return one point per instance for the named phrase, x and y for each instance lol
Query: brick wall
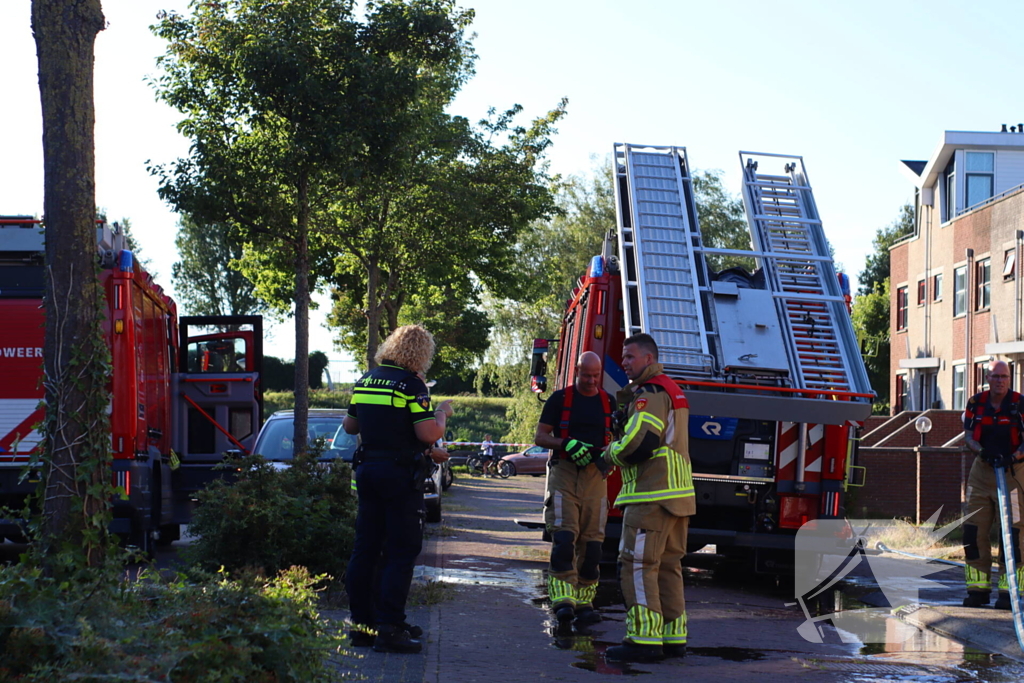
(897, 485)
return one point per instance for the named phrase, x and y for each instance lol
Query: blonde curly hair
(411, 346)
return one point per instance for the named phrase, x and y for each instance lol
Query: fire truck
(768, 359)
(183, 391)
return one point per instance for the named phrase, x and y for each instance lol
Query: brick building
(956, 283)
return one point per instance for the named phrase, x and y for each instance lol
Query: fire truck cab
(170, 423)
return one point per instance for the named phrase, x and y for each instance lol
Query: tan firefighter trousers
(575, 513)
(651, 553)
(983, 501)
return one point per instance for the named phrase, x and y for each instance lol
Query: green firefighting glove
(578, 452)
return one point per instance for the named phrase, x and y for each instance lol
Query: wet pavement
(497, 625)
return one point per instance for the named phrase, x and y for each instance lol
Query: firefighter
(576, 425)
(993, 429)
(390, 410)
(657, 500)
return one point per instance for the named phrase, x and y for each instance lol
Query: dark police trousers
(390, 518)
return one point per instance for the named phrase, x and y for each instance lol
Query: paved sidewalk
(497, 627)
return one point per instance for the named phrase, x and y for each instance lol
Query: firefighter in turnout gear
(390, 410)
(657, 499)
(994, 430)
(576, 425)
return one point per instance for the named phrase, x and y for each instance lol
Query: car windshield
(275, 442)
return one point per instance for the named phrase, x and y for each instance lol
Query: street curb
(986, 629)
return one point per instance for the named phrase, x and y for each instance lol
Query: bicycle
(475, 465)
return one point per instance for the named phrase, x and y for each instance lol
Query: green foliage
(104, 626)
(876, 267)
(321, 398)
(871, 321)
(204, 278)
(279, 375)
(272, 519)
(723, 221)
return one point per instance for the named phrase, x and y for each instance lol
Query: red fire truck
(183, 391)
(768, 359)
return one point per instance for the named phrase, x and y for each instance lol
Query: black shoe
(631, 652)
(587, 616)
(414, 631)
(976, 599)
(564, 613)
(391, 638)
(1003, 601)
(361, 638)
(676, 650)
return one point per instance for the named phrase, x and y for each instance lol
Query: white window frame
(959, 393)
(959, 291)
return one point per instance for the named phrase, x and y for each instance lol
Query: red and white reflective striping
(788, 448)
(18, 416)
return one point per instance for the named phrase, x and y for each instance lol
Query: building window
(1009, 262)
(922, 291)
(959, 291)
(900, 395)
(959, 400)
(981, 375)
(984, 280)
(901, 308)
(979, 177)
(937, 287)
(949, 206)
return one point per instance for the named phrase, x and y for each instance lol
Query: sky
(851, 87)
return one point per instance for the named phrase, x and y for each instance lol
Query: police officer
(994, 430)
(657, 500)
(576, 423)
(390, 410)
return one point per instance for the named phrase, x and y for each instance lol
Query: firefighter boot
(392, 638)
(976, 599)
(1003, 601)
(631, 652)
(586, 615)
(565, 613)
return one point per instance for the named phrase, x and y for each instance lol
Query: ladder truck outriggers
(768, 359)
(183, 392)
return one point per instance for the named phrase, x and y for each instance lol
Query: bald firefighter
(576, 425)
(994, 430)
(657, 500)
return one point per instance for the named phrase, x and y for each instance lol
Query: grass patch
(900, 534)
(455, 507)
(527, 553)
(431, 592)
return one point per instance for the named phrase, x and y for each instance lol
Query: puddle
(732, 654)
(481, 572)
(590, 657)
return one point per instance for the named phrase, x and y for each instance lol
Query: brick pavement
(497, 628)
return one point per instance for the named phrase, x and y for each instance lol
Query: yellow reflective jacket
(653, 451)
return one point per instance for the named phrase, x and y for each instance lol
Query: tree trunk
(301, 414)
(372, 314)
(75, 355)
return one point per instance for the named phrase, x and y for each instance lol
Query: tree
(76, 454)
(723, 222)
(876, 267)
(435, 227)
(871, 321)
(204, 278)
(289, 104)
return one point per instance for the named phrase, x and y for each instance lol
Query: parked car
(532, 461)
(274, 443)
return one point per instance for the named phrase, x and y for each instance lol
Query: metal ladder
(798, 267)
(657, 238)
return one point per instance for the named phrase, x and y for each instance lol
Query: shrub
(104, 627)
(270, 519)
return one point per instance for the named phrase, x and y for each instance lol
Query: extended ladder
(798, 267)
(657, 236)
